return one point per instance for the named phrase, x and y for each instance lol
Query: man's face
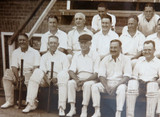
(23, 41)
(148, 12)
(106, 24)
(158, 26)
(132, 24)
(115, 49)
(52, 24)
(148, 50)
(53, 44)
(79, 21)
(102, 11)
(85, 45)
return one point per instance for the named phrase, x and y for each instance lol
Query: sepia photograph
(80, 58)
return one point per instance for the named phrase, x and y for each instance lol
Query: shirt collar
(49, 33)
(28, 50)
(109, 32)
(119, 58)
(56, 52)
(153, 60)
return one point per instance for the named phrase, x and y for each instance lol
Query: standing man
(73, 35)
(101, 40)
(42, 75)
(96, 21)
(132, 40)
(114, 72)
(145, 74)
(83, 71)
(31, 58)
(53, 30)
(156, 38)
(148, 20)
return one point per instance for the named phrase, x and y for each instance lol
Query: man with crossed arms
(40, 77)
(145, 74)
(114, 72)
(83, 71)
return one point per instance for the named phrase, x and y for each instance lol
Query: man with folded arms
(31, 58)
(83, 71)
(114, 72)
(41, 76)
(145, 75)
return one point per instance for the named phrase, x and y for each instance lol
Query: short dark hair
(107, 16)
(24, 34)
(102, 4)
(158, 20)
(149, 5)
(53, 36)
(116, 40)
(134, 17)
(53, 16)
(150, 41)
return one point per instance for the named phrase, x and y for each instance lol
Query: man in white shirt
(132, 40)
(156, 38)
(114, 72)
(31, 58)
(148, 20)
(73, 35)
(101, 40)
(83, 71)
(53, 30)
(41, 76)
(145, 74)
(96, 21)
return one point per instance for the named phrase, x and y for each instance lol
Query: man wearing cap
(31, 58)
(41, 76)
(96, 21)
(114, 72)
(101, 39)
(83, 72)
(73, 35)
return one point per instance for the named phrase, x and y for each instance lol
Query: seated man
(114, 72)
(101, 39)
(53, 30)
(156, 38)
(132, 40)
(96, 21)
(145, 74)
(83, 71)
(147, 20)
(41, 76)
(31, 58)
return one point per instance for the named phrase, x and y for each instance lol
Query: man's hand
(113, 90)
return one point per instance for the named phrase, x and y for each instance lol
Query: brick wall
(14, 12)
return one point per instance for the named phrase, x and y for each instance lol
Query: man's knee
(133, 85)
(37, 75)
(121, 88)
(71, 83)
(8, 75)
(152, 89)
(63, 77)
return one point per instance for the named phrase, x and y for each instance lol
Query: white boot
(6, 105)
(84, 111)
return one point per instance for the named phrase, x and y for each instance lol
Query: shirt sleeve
(14, 59)
(73, 66)
(44, 45)
(94, 23)
(63, 40)
(37, 58)
(136, 71)
(141, 42)
(43, 64)
(127, 68)
(69, 41)
(102, 68)
(96, 63)
(65, 63)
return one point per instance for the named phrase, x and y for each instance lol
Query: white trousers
(8, 80)
(37, 80)
(72, 86)
(120, 95)
(152, 97)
